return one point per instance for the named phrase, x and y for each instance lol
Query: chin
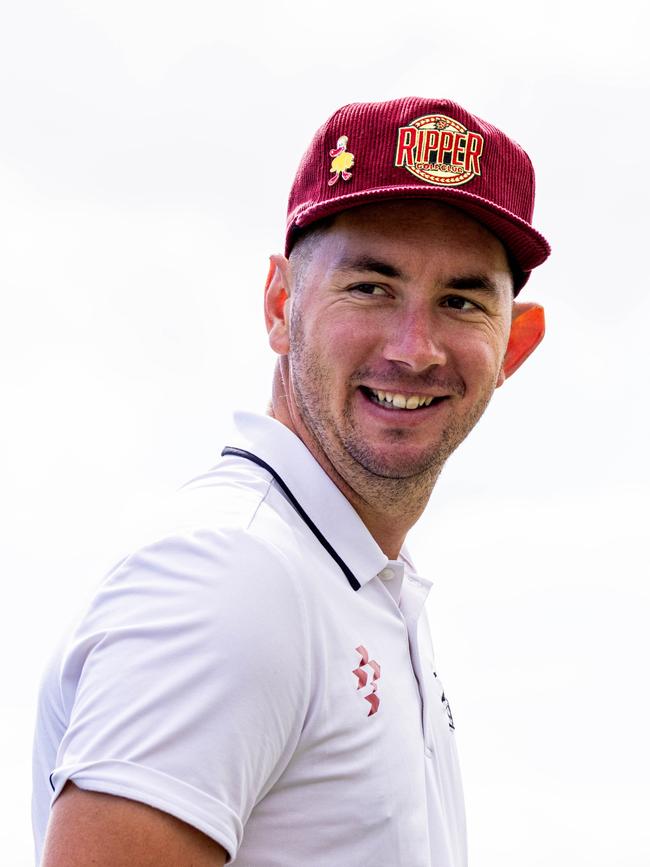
(397, 463)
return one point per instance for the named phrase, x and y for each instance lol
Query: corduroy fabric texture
(500, 194)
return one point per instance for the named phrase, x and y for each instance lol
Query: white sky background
(146, 152)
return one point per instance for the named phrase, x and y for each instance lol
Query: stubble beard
(363, 468)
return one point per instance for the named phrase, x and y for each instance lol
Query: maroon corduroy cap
(420, 148)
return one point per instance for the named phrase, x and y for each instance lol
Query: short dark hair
(303, 246)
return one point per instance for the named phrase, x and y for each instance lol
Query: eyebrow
(368, 263)
(475, 282)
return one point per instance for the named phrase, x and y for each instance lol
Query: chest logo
(439, 150)
(368, 673)
(445, 704)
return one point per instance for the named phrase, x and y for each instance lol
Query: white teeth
(400, 401)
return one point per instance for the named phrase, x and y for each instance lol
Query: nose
(415, 343)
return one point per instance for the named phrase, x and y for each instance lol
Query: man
(256, 683)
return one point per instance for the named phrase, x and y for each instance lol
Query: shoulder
(213, 566)
(205, 603)
(224, 523)
(203, 572)
(215, 550)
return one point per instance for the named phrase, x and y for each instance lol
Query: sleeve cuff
(185, 802)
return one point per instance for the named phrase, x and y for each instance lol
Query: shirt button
(387, 574)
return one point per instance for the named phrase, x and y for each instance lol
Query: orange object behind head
(528, 327)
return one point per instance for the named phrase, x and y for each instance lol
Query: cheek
(478, 358)
(341, 344)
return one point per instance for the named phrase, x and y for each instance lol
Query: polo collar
(328, 508)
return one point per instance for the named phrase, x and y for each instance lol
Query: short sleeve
(186, 681)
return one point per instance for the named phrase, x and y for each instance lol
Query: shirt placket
(411, 604)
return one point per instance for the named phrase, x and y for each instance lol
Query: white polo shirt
(228, 673)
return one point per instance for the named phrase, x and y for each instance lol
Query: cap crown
(415, 147)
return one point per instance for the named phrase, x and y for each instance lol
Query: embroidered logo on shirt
(363, 671)
(446, 704)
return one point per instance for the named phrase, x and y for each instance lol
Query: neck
(388, 516)
(388, 507)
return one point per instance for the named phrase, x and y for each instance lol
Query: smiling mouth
(397, 400)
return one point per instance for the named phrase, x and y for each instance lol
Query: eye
(368, 289)
(457, 302)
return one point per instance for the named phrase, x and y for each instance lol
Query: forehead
(422, 233)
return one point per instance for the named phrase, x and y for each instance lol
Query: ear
(276, 309)
(526, 333)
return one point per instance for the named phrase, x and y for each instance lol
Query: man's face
(398, 331)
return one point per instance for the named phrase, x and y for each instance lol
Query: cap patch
(439, 150)
(343, 160)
